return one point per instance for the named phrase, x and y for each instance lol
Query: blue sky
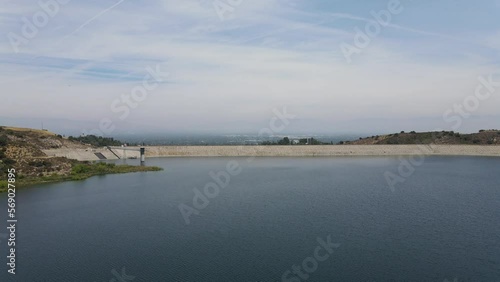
(228, 74)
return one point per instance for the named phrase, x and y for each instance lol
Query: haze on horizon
(232, 64)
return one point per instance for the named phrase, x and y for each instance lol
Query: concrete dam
(95, 154)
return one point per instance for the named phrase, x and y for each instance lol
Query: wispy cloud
(236, 70)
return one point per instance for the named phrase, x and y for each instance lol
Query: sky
(238, 66)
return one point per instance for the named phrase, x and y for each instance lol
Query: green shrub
(8, 162)
(18, 134)
(3, 140)
(96, 140)
(39, 163)
(99, 169)
(80, 169)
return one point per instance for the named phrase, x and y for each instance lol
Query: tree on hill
(287, 141)
(96, 140)
(3, 140)
(284, 141)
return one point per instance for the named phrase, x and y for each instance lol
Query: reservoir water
(335, 219)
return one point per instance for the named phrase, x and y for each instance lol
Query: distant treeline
(96, 140)
(483, 137)
(301, 141)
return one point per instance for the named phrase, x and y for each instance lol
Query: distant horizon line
(253, 134)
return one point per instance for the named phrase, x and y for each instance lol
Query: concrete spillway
(100, 156)
(92, 154)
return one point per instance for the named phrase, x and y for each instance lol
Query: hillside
(484, 137)
(21, 148)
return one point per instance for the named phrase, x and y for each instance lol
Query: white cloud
(228, 74)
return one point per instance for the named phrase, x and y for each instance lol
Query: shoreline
(256, 151)
(91, 171)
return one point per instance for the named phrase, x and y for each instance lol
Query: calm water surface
(442, 223)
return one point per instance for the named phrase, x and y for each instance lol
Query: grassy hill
(484, 137)
(21, 149)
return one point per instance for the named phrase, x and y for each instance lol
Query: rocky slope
(22, 149)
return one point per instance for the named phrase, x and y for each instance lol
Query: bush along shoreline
(80, 171)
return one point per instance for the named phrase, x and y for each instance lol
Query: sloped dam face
(328, 150)
(92, 154)
(276, 151)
